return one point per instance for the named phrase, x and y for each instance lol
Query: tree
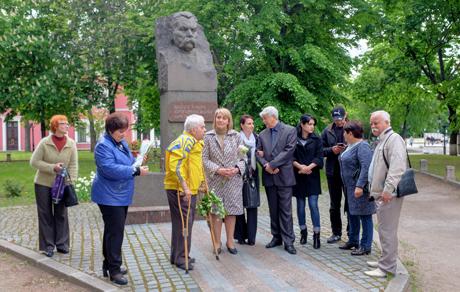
(37, 72)
(388, 81)
(426, 33)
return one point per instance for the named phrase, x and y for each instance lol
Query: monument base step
(151, 214)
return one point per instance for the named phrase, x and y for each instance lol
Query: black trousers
(246, 229)
(53, 221)
(177, 238)
(280, 207)
(335, 186)
(114, 227)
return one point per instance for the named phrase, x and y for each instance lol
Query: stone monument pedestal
(150, 204)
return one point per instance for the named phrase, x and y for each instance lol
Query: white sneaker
(373, 264)
(378, 273)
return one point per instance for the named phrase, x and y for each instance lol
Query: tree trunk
(27, 126)
(453, 120)
(92, 132)
(43, 128)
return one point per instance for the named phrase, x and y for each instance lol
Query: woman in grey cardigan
(354, 167)
(52, 154)
(224, 167)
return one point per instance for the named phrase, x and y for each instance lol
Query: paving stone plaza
(146, 255)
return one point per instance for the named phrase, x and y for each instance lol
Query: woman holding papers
(113, 189)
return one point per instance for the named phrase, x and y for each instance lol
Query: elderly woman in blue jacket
(354, 168)
(112, 190)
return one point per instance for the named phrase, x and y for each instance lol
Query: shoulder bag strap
(385, 159)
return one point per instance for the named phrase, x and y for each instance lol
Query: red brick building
(13, 132)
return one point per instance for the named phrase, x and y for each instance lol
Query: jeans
(368, 230)
(314, 211)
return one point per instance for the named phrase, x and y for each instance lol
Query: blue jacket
(114, 181)
(354, 167)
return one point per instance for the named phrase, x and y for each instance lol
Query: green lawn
(437, 163)
(23, 173)
(15, 155)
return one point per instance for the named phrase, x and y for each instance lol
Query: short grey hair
(193, 121)
(270, 111)
(385, 115)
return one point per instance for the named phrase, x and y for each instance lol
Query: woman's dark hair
(116, 121)
(306, 118)
(355, 128)
(244, 118)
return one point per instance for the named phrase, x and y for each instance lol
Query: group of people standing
(291, 159)
(199, 161)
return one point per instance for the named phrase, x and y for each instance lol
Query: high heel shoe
(303, 236)
(232, 250)
(316, 240)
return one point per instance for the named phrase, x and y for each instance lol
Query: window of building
(81, 134)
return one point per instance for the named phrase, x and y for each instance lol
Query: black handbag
(70, 195)
(406, 185)
(251, 195)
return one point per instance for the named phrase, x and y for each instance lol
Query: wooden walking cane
(184, 227)
(209, 218)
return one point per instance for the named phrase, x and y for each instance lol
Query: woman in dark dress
(246, 229)
(354, 168)
(308, 160)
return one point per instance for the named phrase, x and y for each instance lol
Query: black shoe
(333, 238)
(348, 246)
(303, 236)
(316, 240)
(275, 242)
(241, 241)
(105, 271)
(62, 250)
(118, 279)
(49, 252)
(232, 250)
(182, 266)
(360, 252)
(290, 249)
(251, 243)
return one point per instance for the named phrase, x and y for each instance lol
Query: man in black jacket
(333, 145)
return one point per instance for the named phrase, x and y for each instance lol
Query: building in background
(13, 132)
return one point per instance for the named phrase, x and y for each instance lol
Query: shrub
(12, 188)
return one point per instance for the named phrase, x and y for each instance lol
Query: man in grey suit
(276, 145)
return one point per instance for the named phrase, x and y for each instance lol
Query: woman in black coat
(308, 160)
(246, 229)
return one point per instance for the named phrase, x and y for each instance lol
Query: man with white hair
(184, 175)
(387, 167)
(276, 145)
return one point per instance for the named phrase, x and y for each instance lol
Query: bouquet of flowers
(146, 147)
(242, 151)
(211, 203)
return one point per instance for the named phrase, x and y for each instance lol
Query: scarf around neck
(251, 144)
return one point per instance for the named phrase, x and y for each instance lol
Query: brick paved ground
(146, 254)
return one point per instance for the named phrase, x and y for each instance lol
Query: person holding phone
(333, 145)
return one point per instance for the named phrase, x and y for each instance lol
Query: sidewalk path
(429, 232)
(146, 255)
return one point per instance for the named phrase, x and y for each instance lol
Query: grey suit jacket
(280, 155)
